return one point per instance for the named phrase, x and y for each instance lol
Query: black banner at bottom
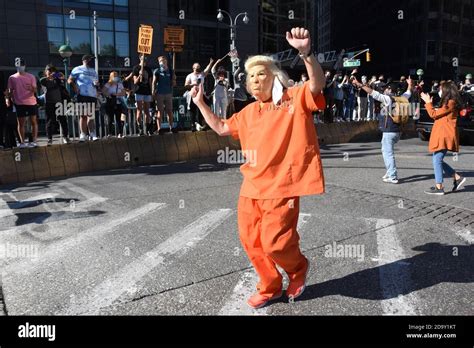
(225, 330)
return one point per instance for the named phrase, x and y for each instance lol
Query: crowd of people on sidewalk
(150, 91)
(346, 102)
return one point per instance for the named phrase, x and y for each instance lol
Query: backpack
(400, 110)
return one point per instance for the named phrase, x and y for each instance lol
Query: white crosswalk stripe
(62, 247)
(125, 279)
(466, 235)
(394, 275)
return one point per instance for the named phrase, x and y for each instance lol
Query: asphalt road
(163, 240)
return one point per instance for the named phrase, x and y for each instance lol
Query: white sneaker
(391, 181)
(22, 146)
(33, 144)
(198, 127)
(94, 136)
(82, 137)
(385, 176)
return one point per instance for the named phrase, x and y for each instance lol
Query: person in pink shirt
(22, 89)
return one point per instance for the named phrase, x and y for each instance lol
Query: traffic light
(367, 56)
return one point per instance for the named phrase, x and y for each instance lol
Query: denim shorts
(143, 97)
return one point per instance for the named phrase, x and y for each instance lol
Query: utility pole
(95, 44)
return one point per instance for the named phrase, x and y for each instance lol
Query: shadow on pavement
(437, 264)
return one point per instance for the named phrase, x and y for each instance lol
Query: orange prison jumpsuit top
(286, 164)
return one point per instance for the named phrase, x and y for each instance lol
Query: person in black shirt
(142, 80)
(53, 82)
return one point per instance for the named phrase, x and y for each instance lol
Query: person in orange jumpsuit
(277, 132)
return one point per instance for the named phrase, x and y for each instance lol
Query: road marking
(246, 286)
(466, 235)
(10, 209)
(126, 278)
(394, 273)
(63, 246)
(83, 206)
(91, 197)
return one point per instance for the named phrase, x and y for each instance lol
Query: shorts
(164, 101)
(90, 105)
(143, 97)
(26, 110)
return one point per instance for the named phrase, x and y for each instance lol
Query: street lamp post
(233, 25)
(66, 52)
(420, 74)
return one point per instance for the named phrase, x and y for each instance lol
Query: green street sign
(351, 63)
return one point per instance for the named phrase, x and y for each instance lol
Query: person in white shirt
(221, 89)
(85, 81)
(192, 80)
(113, 90)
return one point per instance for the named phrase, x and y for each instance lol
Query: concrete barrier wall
(336, 133)
(25, 165)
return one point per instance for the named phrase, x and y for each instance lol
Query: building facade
(35, 29)
(403, 36)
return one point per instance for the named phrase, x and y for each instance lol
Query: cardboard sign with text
(174, 36)
(145, 39)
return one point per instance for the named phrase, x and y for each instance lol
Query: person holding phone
(444, 135)
(194, 79)
(53, 82)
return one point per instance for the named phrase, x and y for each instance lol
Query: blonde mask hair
(280, 77)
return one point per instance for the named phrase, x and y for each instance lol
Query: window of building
(79, 40)
(113, 34)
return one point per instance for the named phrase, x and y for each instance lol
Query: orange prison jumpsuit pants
(268, 234)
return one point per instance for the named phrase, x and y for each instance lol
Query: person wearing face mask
(53, 83)
(143, 80)
(467, 86)
(164, 80)
(113, 90)
(362, 101)
(329, 96)
(241, 97)
(22, 89)
(278, 134)
(221, 90)
(371, 101)
(390, 130)
(192, 80)
(444, 135)
(337, 84)
(85, 81)
(303, 79)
